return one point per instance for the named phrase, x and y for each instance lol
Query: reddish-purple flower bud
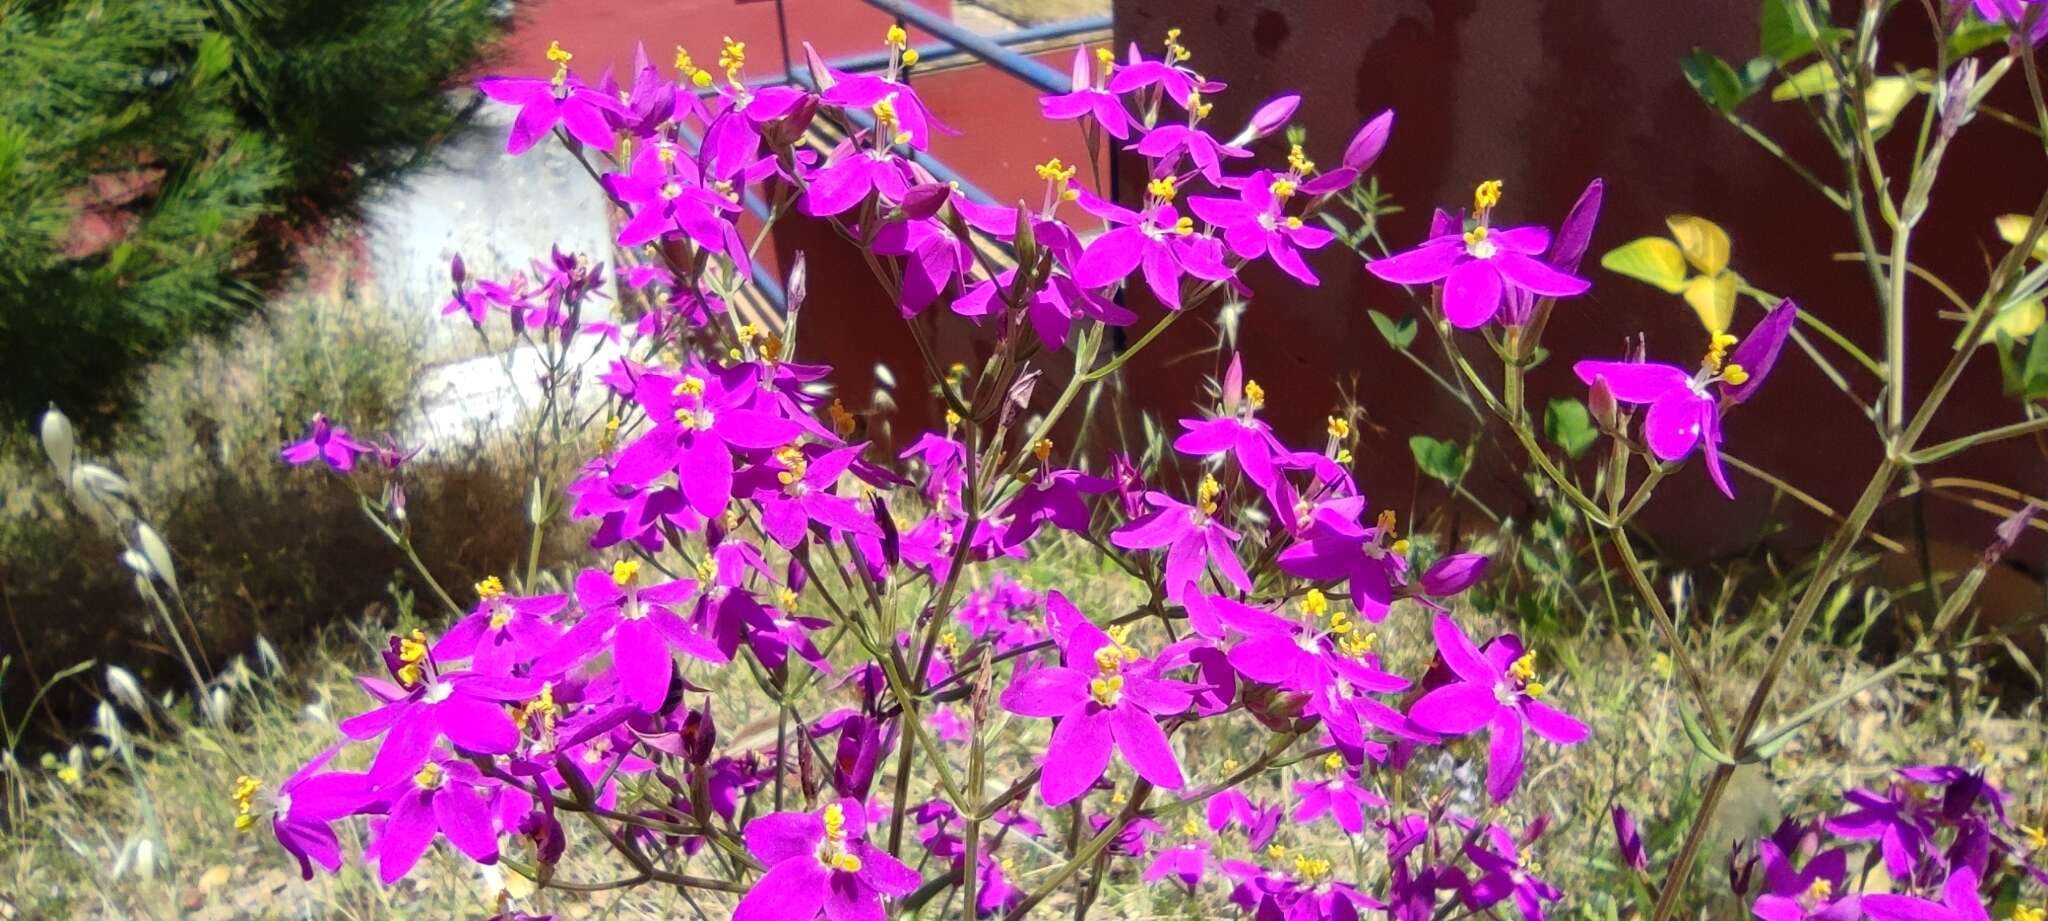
(1630, 840)
(1600, 400)
(1453, 574)
(1233, 385)
(921, 202)
(785, 131)
(1369, 142)
(456, 271)
(1576, 232)
(1269, 118)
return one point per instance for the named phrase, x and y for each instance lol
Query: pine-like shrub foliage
(160, 161)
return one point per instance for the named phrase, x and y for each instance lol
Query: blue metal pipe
(1045, 79)
(932, 52)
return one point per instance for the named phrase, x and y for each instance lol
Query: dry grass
(1039, 12)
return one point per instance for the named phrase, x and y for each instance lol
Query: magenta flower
(1506, 873)
(1139, 72)
(1500, 696)
(820, 862)
(1685, 409)
(1237, 432)
(666, 197)
(698, 421)
(1959, 902)
(562, 99)
(1090, 98)
(1158, 241)
(1479, 267)
(1105, 697)
(1342, 797)
(306, 806)
(449, 798)
(639, 625)
(1815, 892)
(1194, 535)
(1166, 144)
(1309, 656)
(328, 443)
(1185, 862)
(1894, 821)
(1256, 224)
(464, 707)
(1231, 808)
(795, 490)
(504, 630)
(2013, 14)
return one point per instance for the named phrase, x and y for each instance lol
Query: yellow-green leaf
(1713, 299)
(1886, 98)
(1651, 259)
(1811, 80)
(1703, 242)
(2012, 228)
(2016, 321)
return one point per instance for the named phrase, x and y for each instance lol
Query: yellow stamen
(1042, 450)
(842, 421)
(952, 419)
(1207, 495)
(1311, 869)
(2037, 838)
(1820, 889)
(1734, 374)
(1299, 161)
(1184, 226)
(624, 571)
(707, 569)
(1107, 691)
(1292, 222)
(1400, 547)
(1339, 428)
(1524, 667)
(1276, 851)
(429, 776)
(1054, 171)
(1255, 394)
(490, 588)
(731, 57)
(1315, 603)
(691, 385)
(1190, 827)
(846, 863)
(2027, 913)
(785, 599)
(685, 65)
(1486, 196)
(910, 56)
(1333, 762)
(557, 56)
(896, 38)
(1161, 188)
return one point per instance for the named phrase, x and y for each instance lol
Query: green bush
(163, 161)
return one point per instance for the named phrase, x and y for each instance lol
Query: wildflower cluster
(746, 540)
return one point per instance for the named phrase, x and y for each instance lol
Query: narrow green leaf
(1698, 735)
(1973, 34)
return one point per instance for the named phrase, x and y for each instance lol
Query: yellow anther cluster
(1184, 226)
(770, 348)
(1315, 603)
(1196, 107)
(624, 572)
(244, 793)
(538, 714)
(1042, 450)
(1400, 547)
(785, 599)
(793, 462)
(1356, 644)
(1230, 765)
(1820, 889)
(1717, 351)
(910, 56)
(1056, 172)
(952, 419)
(1476, 236)
(2028, 913)
(842, 421)
(1107, 690)
(1299, 161)
(731, 57)
(1208, 496)
(560, 59)
(1735, 374)
(1340, 623)
(429, 776)
(1524, 667)
(886, 120)
(1105, 61)
(1254, 394)
(1174, 49)
(1338, 428)
(1311, 869)
(610, 436)
(1162, 188)
(896, 38)
(2037, 838)
(1292, 222)
(412, 656)
(1282, 188)
(1333, 763)
(1276, 851)
(707, 569)
(490, 588)
(1486, 196)
(1386, 522)
(1190, 827)
(690, 385)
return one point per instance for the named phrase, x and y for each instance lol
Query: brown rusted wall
(1546, 96)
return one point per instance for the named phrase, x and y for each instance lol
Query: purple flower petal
(1145, 746)
(1472, 292)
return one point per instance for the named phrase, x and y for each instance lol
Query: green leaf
(1885, 99)
(2034, 371)
(1399, 333)
(1785, 39)
(1713, 79)
(1655, 260)
(1698, 735)
(1973, 34)
(1813, 79)
(1569, 426)
(1442, 460)
(216, 52)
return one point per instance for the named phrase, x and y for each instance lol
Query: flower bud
(1369, 142)
(1269, 118)
(1630, 840)
(1577, 230)
(1453, 574)
(923, 201)
(1601, 401)
(788, 129)
(456, 272)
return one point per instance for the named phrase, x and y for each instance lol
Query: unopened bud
(1369, 142)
